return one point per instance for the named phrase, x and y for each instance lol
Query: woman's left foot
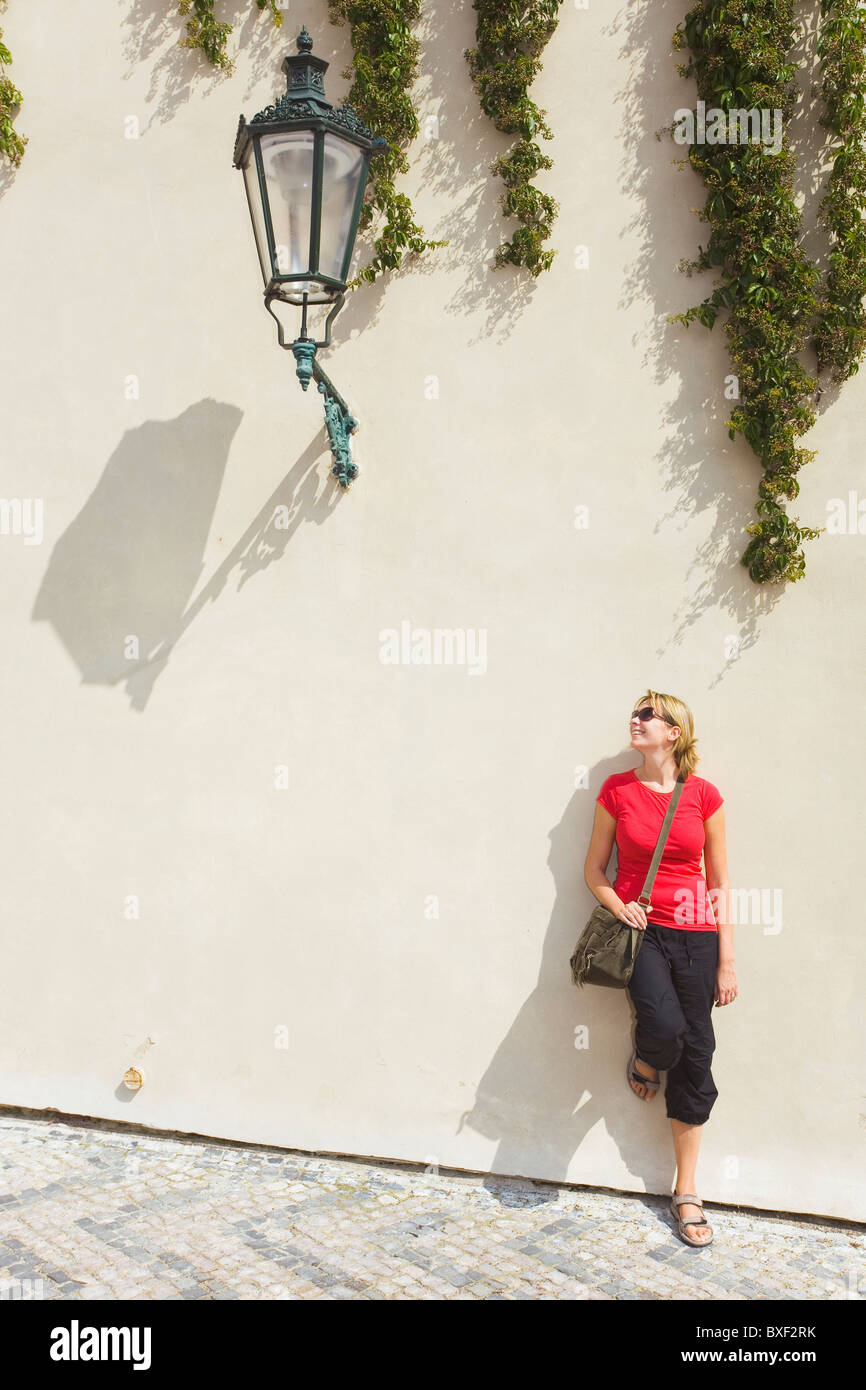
(650, 1074)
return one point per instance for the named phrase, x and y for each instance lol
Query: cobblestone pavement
(94, 1213)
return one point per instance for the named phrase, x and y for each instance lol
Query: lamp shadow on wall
(119, 581)
(560, 1069)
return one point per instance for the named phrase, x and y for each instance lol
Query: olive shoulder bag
(607, 949)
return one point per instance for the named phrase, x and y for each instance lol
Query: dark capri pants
(673, 989)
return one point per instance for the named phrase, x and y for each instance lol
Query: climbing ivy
(11, 143)
(740, 58)
(840, 337)
(771, 293)
(509, 38)
(384, 68)
(205, 31)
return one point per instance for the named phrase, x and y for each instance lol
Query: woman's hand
(634, 915)
(726, 984)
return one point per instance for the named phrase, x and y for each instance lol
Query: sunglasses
(648, 713)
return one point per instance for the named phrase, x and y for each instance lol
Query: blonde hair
(679, 713)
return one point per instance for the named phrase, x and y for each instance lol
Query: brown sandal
(677, 1201)
(633, 1075)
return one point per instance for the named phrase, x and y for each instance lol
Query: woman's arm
(595, 870)
(716, 867)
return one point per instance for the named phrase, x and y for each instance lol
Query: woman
(686, 958)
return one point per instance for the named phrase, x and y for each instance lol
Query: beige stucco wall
(492, 407)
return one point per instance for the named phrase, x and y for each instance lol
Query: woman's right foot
(649, 1072)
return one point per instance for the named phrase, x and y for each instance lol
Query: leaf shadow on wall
(128, 564)
(7, 177)
(451, 159)
(541, 1094)
(152, 31)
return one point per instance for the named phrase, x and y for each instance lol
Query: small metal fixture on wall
(305, 165)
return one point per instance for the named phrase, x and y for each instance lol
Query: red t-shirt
(679, 894)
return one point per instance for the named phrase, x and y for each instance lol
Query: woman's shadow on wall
(560, 1069)
(120, 579)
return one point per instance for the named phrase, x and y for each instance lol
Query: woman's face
(651, 734)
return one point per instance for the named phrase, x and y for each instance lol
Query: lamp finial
(305, 73)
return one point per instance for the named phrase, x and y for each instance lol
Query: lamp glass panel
(251, 182)
(287, 160)
(342, 169)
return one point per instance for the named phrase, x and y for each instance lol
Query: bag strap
(660, 843)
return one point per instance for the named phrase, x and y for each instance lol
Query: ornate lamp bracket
(341, 424)
(339, 420)
(305, 165)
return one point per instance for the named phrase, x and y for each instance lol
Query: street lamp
(305, 166)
